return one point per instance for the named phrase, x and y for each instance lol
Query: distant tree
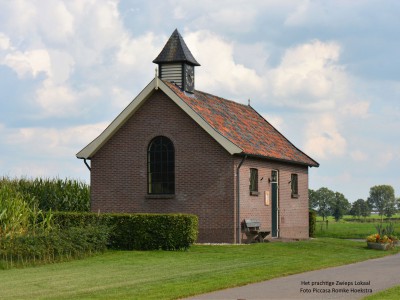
(360, 208)
(365, 209)
(390, 209)
(339, 206)
(381, 198)
(324, 198)
(312, 199)
(398, 204)
(355, 210)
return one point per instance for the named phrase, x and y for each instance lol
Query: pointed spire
(175, 50)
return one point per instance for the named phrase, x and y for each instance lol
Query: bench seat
(251, 228)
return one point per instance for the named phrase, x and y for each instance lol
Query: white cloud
(63, 101)
(233, 16)
(62, 66)
(299, 15)
(309, 76)
(121, 97)
(46, 152)
(179, 12)
(4, 41)
(61, 19)
(137, 52)
(356, 109)
(358, 155)
(238, 18)
(45, 142)
(84, 53)
(29, 63)
(219, 71)
(276, 121)
(323, 139)
(385, 157)
(246, 53)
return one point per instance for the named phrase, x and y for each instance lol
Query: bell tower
(176, 63)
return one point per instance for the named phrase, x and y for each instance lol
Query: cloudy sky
(325, 73)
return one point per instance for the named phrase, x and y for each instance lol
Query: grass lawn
(374, 217)
(349, 230)
(389, 294)
(177, 274)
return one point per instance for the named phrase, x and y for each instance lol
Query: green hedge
(312, 221)
(139, 231)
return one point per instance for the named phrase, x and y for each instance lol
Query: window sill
(295, 196)
(254, 193)
(160, 196)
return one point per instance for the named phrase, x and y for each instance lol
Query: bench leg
(262, 236)
(251, 238)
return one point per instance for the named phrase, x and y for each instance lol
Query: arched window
(161, 166)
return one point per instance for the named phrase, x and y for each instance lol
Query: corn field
(20, 214)
(27, 231)
(52, 194)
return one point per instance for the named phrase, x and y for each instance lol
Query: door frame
(275, 203)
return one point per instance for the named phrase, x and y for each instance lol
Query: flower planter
(379, 246)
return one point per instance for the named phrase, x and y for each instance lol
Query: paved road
(353, 281)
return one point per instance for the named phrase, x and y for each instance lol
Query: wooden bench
(251, 228)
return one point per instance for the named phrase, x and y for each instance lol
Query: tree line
(329, 203)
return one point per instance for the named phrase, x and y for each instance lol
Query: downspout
(238, 199)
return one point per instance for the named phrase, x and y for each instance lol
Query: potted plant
(384, 239)
(376, 241)
(395, 240)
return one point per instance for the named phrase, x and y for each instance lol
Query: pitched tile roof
(243, 126)
(175, 50)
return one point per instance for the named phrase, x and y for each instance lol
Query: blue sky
(325, 73)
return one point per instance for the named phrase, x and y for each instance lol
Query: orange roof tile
(243, 126)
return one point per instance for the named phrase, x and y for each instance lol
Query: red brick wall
(204, 182)
(293, 216)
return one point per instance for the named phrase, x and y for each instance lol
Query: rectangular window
(253, 182)
(294, 185)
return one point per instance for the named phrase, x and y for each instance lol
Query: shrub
(139, 231)
(56, 245)
(312, 221)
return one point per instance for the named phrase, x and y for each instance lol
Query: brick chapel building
(175, 149)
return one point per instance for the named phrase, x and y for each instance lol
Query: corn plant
(53, 194)
(15, 213)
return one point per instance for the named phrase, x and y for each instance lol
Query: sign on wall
(266, 198)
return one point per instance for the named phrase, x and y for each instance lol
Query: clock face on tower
(189, 78)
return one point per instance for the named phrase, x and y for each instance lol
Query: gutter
(238, 199)
(316, 165)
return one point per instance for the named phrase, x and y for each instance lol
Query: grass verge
(177, 274)
(389, 294)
